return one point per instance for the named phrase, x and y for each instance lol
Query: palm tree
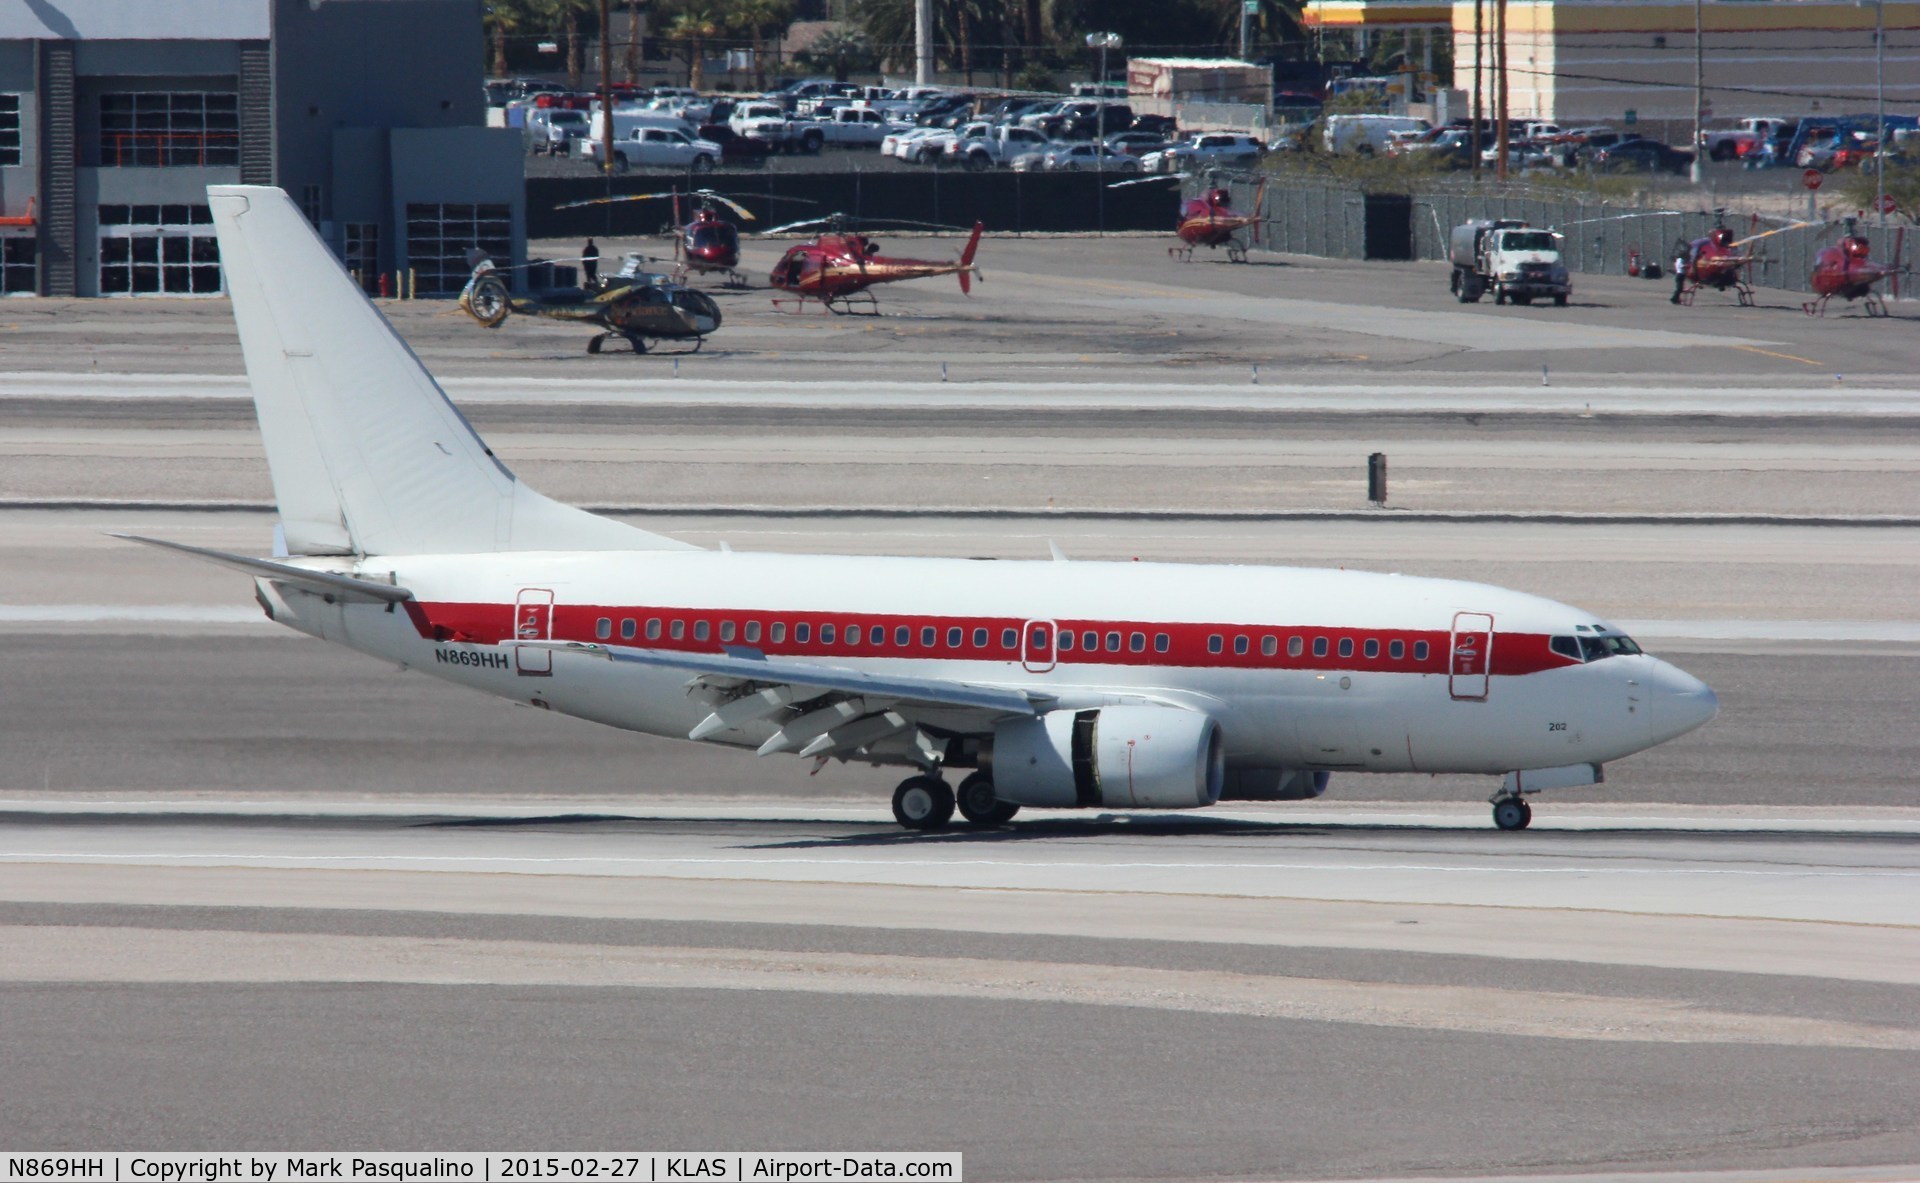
(764, 21)
(696, 23)
(632, 62)
(501, 18)
(840, 51)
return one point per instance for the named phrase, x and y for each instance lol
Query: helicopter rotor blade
(612, 200)
(1150, 180)
(800, 225)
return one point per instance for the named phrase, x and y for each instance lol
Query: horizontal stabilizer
(345, 587)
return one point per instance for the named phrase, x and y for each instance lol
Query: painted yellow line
(1770, 353)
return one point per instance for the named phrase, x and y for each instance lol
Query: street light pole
(1102, 42)
(1880, 112)
(923, 42)
(1698, 171)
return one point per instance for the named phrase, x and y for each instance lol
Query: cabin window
(1240, 646)
(979, 638)
(1090, 640)
(653, 629)
(955, 636)
(1010, 638)
(626, 629)
(678, 629)
(1137, 642)
(726, 632)
(1162, 642)
(826, 634)
(752, 632)
(1346, 646)
(1396, 649)
(802, 633)
(903, 636)
(1066, 639)
(1037, 639)
(927, 636)
(1113, 642)
(1216, 643)
(1319, 646)
(603, 628)
(700, 630)
(1372, 648)
(1419, 650)
(1269, 646)
(854, 631)
(1294, 646)
(777, 632)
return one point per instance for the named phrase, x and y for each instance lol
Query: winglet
(966, 261)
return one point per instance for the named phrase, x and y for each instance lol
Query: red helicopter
(1845, 270)
(838, 266)
(707, 245)
(1210, 220)
(1713, 261)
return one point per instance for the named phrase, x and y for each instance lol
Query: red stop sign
(1886, 204)
(1812, 178)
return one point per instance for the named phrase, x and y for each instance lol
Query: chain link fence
(1311, 217)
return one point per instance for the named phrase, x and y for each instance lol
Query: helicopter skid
(1182, 253)
(856, 304)
(1236, 253)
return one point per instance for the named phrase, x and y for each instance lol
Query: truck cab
(1516, 262)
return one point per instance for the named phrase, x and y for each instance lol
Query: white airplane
(1057, 684)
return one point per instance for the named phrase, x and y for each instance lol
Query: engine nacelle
(1119, 757)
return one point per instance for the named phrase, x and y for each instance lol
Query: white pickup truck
(665, 147)
(1729, 143)
(999, 147)
(768, 123)
(855, 127)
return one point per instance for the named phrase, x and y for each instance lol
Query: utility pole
(923, 42)
(1479, 100)
(1102, 42)
(1698, 171)
(1880, 114)
(606, 87)
(1500, 89)
(1246, 19)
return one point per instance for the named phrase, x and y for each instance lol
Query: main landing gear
(925, 802)
(1511, 813)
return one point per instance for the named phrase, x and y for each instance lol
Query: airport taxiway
(260, 892)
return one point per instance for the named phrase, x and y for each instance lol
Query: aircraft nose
(1681, 702)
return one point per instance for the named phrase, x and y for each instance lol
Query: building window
(166, 129)
(310, 203)
(9, 129)
(148, 250)
(362, 254)
(19, 265)
(440, 235)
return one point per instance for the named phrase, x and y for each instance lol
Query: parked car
(1210, 147)
(1365, 134)
(656, 147)
(1641, 155)
(1137, 143)
(552, 130)
(911, 143)
(1088, 157)
(734, 147)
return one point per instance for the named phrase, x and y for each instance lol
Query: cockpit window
(1613, 645)
(1567, 647)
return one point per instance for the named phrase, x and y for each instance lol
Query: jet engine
(1120, 757)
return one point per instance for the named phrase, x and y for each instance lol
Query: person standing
(590, 264)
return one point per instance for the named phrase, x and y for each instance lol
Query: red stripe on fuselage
(1188, 645)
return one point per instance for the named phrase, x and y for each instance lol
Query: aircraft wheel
(1512, 813)
(488, 301)
(978, 804)
(923, 803)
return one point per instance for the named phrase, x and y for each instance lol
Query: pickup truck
(658, 147)
(998, 147)
(854, 127)
(1746, 135)
(767, 123)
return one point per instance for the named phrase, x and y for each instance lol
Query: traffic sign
(1812, 178)
(1886, 204)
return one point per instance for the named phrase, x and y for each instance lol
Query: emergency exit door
(533, 621)
(1471, 657)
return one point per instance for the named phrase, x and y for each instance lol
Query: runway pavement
(260, 892)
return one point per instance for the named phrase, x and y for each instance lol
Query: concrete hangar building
(1592, 61)
(115, 115)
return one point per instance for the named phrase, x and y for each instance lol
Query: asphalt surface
(259, 892)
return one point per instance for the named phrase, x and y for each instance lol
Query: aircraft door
(1038, 641)
(1470, 658)
(533, 621)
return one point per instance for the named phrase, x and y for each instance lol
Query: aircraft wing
(819, 709)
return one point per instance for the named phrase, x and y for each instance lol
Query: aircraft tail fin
(966, 261)
(367, 454)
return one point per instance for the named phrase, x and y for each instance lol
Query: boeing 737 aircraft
(1055, 684)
